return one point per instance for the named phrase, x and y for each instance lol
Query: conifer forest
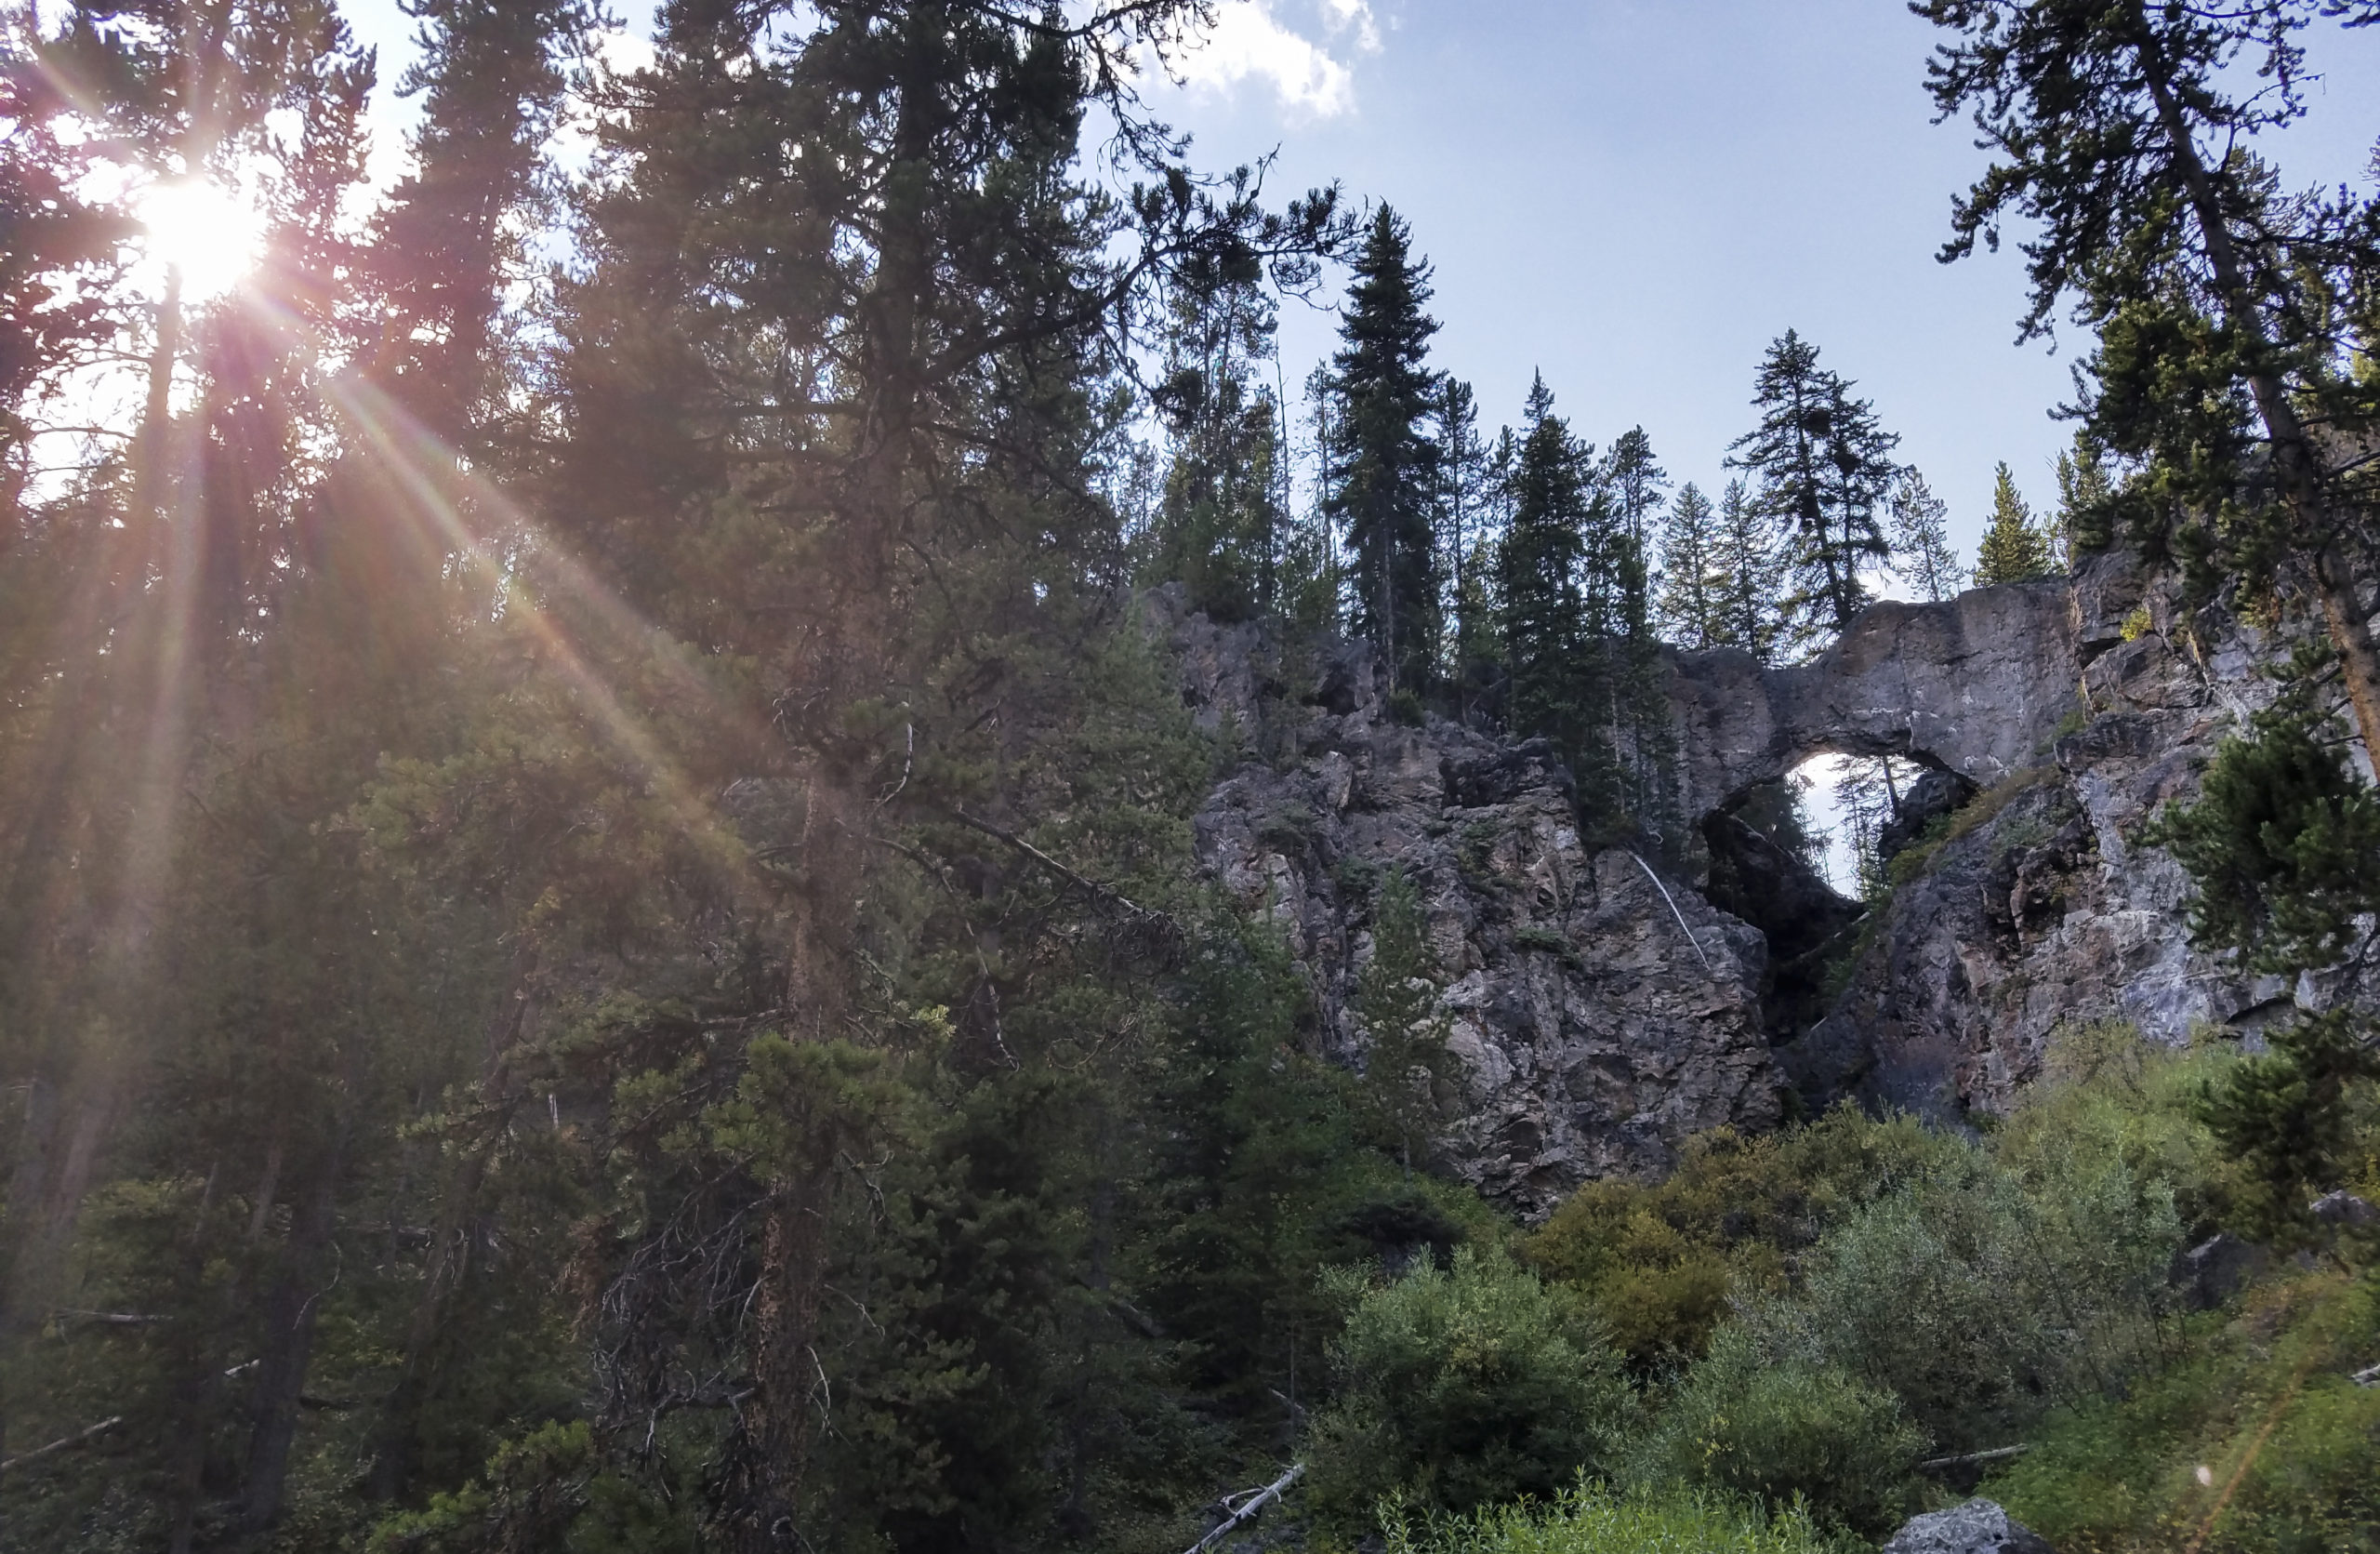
(734, 822)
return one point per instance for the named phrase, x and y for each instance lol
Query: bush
(1462, 1389)
(1594, 1520)
(1748, 1421)
(1659, 1261)
(1981, 1296)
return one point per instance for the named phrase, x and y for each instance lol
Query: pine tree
(2125, 135)
(2013, 549)
(1218, 527)
(1629, 487)
(1822, 465)
(1920, 539)
(1468, 527)
(2084, 497)
(1538, 569)
(1751, 614)
(1696, 580)
(1382, 461)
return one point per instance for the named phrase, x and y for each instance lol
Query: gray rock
(1595, 1032)
(1977, 1527)
(2346, 1210)
(1598, 1023)
(2217, 1268)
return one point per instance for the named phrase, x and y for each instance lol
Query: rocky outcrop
(2043, 907)
(1603, 1014)
(1974, 686)
(1600, 1013)
(1977, 1527)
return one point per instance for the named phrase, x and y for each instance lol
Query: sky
(1636, 198)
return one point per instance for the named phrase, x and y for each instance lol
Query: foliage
(1595, 1520)
(1382, 464)
(1822, 467)
(2014, 549)
(1660, 1260)
(1462, 1387)
(2255, 1442)
(2289, 1117)
(2283, 838)
(1788, 1431)
(1921, 539)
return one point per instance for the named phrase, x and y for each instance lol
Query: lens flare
(204, 231)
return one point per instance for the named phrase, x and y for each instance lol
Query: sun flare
(204, 231)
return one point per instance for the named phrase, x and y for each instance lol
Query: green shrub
(1660, 1261)
(1462, 1389)
(1748, 1421)
(1595, 1520)
(1980, 1296)
(2315, 1485)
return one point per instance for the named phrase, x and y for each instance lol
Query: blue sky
(1636, 198)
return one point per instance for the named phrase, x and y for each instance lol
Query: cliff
(1604, 1010)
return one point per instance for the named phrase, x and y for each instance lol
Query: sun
(204, 231)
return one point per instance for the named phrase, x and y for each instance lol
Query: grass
(1594, 1520)
(1912, 862)
(2259, 1442)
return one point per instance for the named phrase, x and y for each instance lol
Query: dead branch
(1250, 1503)
(66, 1444)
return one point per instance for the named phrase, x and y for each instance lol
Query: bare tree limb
(1255, 1502)
(65, 1444)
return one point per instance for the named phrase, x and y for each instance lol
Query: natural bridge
(1975, 685)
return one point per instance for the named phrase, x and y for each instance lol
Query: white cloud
(1356, 14)
(1250, 41)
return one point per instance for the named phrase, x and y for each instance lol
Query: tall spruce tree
(2227, 311)
(2013, 549)
(1921, 539)
(1468, 526)
(1547, 663)
(1822, 465)
(1751, 614)
(1696, 580)
(1382, 460)
(1218, 525)
(2084, 493)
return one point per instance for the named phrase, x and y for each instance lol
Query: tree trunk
(2295, 469)
(290, 1311)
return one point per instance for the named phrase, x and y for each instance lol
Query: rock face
(2043, 907)
(1977, 1527)
(1600, 1014)
(1603, 1014)
(1973, 686)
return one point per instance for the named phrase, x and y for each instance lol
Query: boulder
(2345, 1211)
(2217, 1268)
(1977, 1527)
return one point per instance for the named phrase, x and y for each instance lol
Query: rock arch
(1975, 685)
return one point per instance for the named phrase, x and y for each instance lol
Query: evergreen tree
(2085, 495)
(1543, 614)
(1696, 580)
(1751, 614)
(1822, 465)
(1619, 566)
(1468, 529)
(1382, 460)
(1920, 539)
(2225, 308)
(1218, 527)
(2013, 549)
